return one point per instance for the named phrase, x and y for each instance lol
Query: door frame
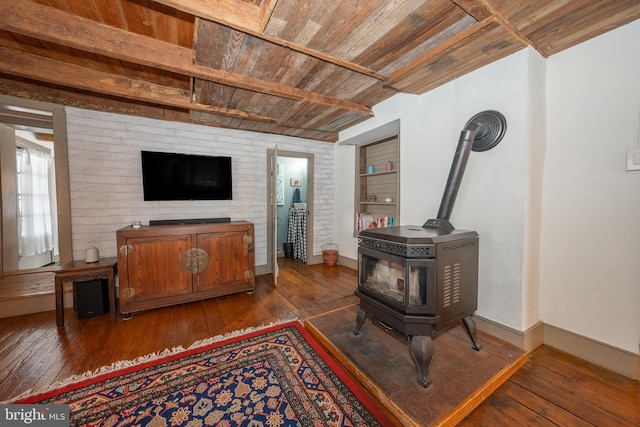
(310, 198)
(58, 123)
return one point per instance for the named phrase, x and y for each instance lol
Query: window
(35, 227)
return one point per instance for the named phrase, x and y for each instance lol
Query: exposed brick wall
(106, 181)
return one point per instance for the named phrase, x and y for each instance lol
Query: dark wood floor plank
(40, 347)
(241, 311)
(512, 413)
(591, 376)
(301, 286)
(563, 389)
(568, 390)
(272, 299)
(534, 403)
(21, 344)
(213, 317)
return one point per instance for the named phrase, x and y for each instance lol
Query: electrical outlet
(633, 159)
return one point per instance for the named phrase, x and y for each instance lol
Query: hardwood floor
(557, 389)
(553, 388)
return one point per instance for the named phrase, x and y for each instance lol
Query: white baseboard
(601, 354)
(527, 340)
(348, 262)
(596, 352)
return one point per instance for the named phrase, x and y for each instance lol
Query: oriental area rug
(274, 377)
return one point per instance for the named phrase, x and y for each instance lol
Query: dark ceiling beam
(20, 87)
(26, 18)
(55, 72)
(28, 89)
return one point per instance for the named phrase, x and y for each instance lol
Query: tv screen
(172, 176)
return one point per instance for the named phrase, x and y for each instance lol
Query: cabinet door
(154, 268)
(228, 257)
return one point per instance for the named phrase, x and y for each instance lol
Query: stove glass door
(383, 276)
(407, 284)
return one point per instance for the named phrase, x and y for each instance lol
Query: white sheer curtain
(34, 184)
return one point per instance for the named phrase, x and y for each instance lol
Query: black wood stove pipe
(481, 133)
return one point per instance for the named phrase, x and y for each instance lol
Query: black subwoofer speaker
(91, 298)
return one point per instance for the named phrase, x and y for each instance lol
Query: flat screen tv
(172, 176)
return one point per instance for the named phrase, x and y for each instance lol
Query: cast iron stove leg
(359, 321)
(423, 352)
(470, 326)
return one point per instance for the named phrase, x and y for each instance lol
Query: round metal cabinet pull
(194, 260)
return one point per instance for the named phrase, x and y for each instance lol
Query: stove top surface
(416, 234)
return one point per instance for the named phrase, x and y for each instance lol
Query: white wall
(591, 222)
(496, 185)
(106, 181)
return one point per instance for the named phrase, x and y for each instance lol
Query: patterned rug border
(125, 366)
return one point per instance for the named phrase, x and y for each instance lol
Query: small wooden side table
(80, 271)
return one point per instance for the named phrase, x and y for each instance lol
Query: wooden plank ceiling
(306, 68)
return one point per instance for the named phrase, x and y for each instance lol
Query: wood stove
(419, 280)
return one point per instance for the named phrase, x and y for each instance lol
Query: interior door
(273, 185)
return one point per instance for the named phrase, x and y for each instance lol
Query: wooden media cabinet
(163, 265)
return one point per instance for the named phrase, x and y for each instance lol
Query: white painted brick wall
(105, 177)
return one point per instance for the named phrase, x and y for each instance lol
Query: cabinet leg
(359, 321)
(423, 352)
(470, 326)
(126, 316)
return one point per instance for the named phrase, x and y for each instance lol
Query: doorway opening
(36, 194)
(291, 204)
(290, 221)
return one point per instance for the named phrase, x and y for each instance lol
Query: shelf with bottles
(378, 173)
(366, 220)
(373, 161)
(378, 181)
